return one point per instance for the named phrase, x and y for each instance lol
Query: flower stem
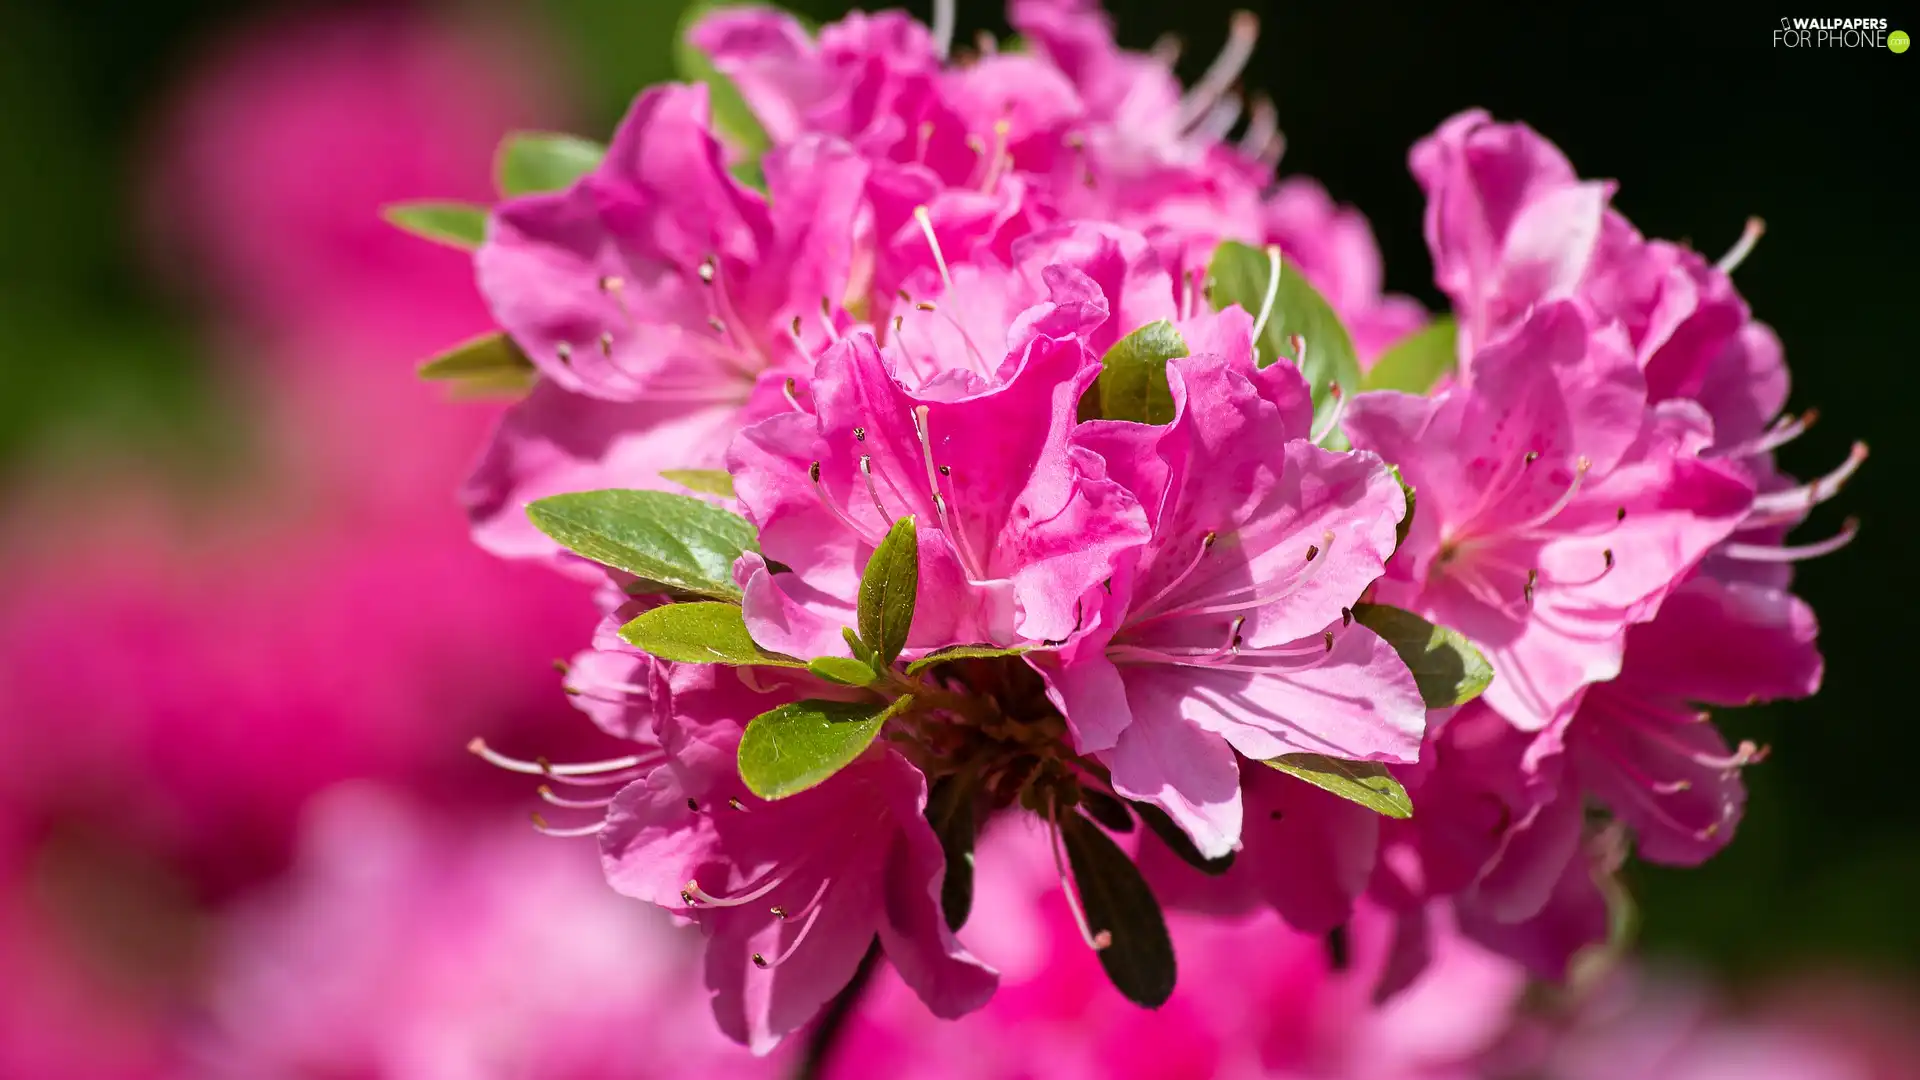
(825, 1036)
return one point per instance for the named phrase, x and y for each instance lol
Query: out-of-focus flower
(400, 947)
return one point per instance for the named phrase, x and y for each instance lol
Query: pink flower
(1016, 525)
(1228, 633)
(789, 913)
(400, 946)
(1555, 509)
(1637, 742)
(659, 277)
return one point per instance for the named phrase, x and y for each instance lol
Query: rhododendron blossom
(1004, 442)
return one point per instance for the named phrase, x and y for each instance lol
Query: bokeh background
(235, 577)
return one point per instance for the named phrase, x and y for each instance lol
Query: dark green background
(1697, 117)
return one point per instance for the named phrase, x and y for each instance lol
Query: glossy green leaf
(679, 541)
(705, 632)
(1365, 782)
(1448, 669)
(490, 363)
(799, 745)
(888, 589)
(1122, 913)
(1240, 275)
(1416, 362)
(732, 117)
(705, 481)
(843, 670)
(962, 652)
(455, 224)
(1178, 841)
(952, 812)
(533, 161)
(1133, 377)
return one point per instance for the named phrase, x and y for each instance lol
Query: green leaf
(962, 652)
(951, 810)
(487, 364)
(842, 670)
(705, 481)
(455, 224)
(799, 745)
(1401, 530)
(732, 117)
(1110, 812)
(888, 589)
(679, 541)
(1138, 953)
(1415, 362)
(1133, 377)
(534, 161)
(1448, 669)
(1365, 782)
(1178, 841)
(705, 632)
(1239, 275)
(859, 648)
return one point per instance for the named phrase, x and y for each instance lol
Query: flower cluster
(956, 437)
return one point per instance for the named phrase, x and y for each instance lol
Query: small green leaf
(455, 224)
(859, 648)
(705, 481)
(705, 632)
(1445, 665)
(679, 541)
(799, 745)
(888, 589)
(842, 670)
(533, 161)
(1133, 377)
(951, 810)
(732, 117)
(1138, 953)
(1178, 841)
(962, 652)
(487, 364)
(1365, 782)
(1401, 530)
(1416, 362)
(1240, 274)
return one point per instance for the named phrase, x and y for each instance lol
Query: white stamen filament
(820, 490)
(1000, 159)
(1222, 603)
(814, 909)
(1262, 126)
(1769, 553)
(793, 400)
(1242, 31)
(754, 892)
(1809, 495)
(1581, 466)
(926, 226)
(1206, 545)
(1639, 784)
(480, 749)
(1165, 50)
(1334, 415)
(1219, 119)
(1094, 941)
(546, 794)
(1742, 247)
(944, 15)
(1273, 292)
(866, 472)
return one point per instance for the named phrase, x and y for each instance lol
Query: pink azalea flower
(1256, 999)
(1016, 525)
(788, 916)
(1639, 745)
(1555, 508)
(401, 947)
(1228, 633)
